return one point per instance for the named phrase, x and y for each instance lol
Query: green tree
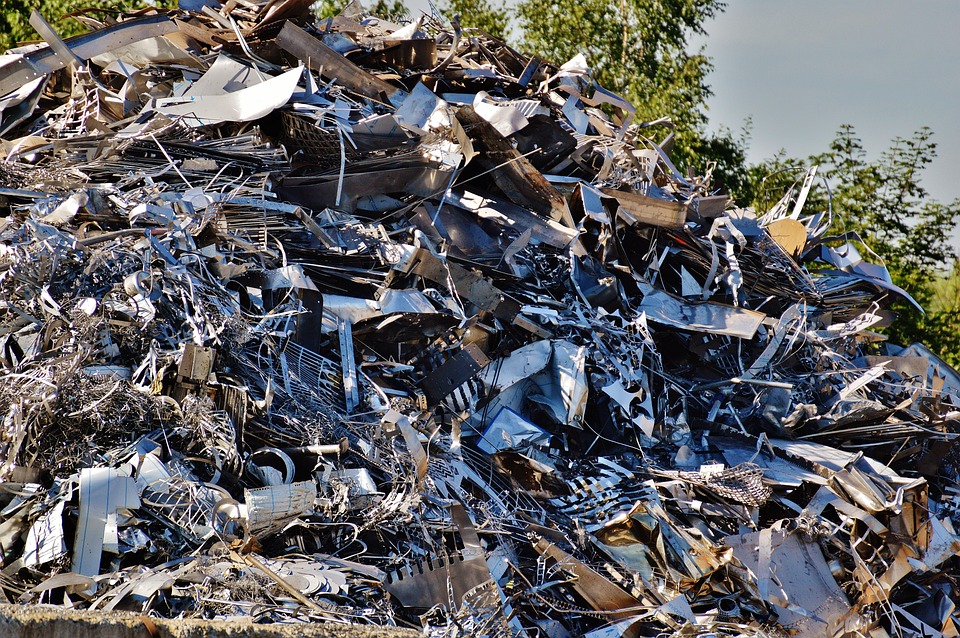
(388, 9)
(884, 202)
(15, 17)
(641, 49)
(489, 17)
(941, 325)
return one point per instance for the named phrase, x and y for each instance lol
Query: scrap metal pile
(352, 321)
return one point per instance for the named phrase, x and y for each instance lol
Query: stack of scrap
(350, 321)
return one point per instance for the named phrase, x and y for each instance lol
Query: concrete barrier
(42, 621)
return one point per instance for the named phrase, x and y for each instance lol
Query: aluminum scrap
(355, 321)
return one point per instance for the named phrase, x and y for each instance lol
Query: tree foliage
(389, 9)
(642, 50)
(490, 17)
(638, 48)
(884, 202)
(15, 17)
(486, 15)
(940, 327)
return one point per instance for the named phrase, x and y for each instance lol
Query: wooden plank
(476, 289)
(331, 65)
(205, 35)
(513, 173)
(599, 592)
(790, 234)
(641, 209)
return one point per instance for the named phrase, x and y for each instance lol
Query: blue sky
(801, 69)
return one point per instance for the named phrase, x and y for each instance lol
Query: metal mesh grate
(743, 484)
(320, 144)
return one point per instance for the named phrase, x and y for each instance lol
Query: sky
(801, 69)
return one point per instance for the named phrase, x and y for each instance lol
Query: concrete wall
(42, 621)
